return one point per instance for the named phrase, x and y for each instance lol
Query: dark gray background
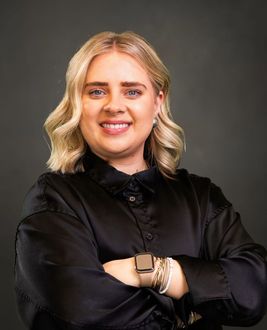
(217, 55)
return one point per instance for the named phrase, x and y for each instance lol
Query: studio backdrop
(216, 52)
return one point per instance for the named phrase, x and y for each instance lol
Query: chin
(118, 152)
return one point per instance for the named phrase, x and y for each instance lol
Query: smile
(115, 126)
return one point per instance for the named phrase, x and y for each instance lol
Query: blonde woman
(115, 236)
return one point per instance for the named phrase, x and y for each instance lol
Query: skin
(119, 105)
(123, 270)
(118, 90)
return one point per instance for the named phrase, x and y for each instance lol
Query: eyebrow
(123, 84)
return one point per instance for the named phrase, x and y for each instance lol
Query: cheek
(86, 122)
(88, 113)
(146, 106)
(145, 113)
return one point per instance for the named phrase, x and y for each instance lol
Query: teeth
(115, 126)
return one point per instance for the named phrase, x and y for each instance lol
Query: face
(119, 105)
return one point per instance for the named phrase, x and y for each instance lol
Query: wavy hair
(164, 145)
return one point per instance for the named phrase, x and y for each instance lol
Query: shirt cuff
(206, 279)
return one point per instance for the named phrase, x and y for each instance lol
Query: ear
(159, 101)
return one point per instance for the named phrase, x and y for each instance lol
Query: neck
(129, 167)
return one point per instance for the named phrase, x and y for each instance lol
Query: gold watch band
(146, 279)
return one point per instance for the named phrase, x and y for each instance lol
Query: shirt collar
(114, 180)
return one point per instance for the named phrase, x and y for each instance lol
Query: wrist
(162, 278)
(145, 280)
(145, 268)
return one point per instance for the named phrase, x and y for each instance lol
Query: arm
(124, 270)
(61, 282)
(229, 282)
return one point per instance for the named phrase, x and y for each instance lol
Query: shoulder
(200, 184)
(183, 175)
(209, 195)
(48, 193)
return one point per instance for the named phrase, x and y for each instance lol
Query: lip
(115, 127)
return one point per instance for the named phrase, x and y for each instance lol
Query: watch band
(145, 280)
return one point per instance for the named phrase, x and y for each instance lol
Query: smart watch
(144, 262)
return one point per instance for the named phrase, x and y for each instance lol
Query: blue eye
(134, 92)
(96, 92)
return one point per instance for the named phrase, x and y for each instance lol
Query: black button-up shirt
(73, 223)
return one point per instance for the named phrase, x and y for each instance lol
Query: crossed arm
(58, 272)
(123, 270)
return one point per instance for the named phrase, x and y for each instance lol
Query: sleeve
(60, 282)
(228, 283)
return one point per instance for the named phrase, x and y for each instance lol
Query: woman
(115, 236)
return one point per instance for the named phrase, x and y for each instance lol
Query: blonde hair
(166, 142)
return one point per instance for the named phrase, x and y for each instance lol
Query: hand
(123, 270)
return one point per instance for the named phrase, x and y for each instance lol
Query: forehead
(116, 65)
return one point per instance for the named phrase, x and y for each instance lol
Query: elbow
(251, 315)
(257, 300)
(243, 315)
(252, 306)
(248, 287)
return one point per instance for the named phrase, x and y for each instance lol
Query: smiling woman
(119, 106)
(106, 68)
(116, 236)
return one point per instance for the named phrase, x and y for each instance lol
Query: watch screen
(145, 262)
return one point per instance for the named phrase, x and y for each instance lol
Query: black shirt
(73, 223)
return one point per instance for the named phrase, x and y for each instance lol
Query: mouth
(115, 127)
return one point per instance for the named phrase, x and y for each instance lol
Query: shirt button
(132, 199)
(149, 236)
(131, 184)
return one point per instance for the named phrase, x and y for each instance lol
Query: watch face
(144, 262)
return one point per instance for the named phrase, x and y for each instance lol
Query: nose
(114, 105)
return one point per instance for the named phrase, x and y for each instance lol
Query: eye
(96, 92)
(133, 92)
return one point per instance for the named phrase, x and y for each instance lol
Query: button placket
(136, 199)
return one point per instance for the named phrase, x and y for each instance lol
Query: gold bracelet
(159, 277)
(165, 276)
(166, 286)
(155, 279)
